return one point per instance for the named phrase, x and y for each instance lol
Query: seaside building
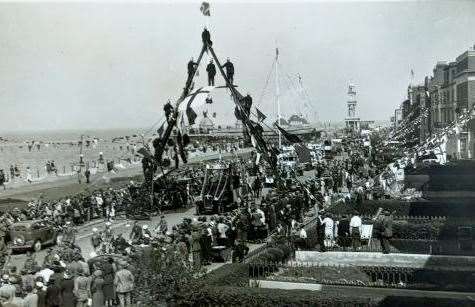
(438, 102)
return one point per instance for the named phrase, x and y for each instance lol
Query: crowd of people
(66, 279)
(263, 208)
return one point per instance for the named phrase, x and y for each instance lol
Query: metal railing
(367, 276)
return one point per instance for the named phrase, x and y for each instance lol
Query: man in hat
(82, 289)
(211, 69)
(87, 174)
(344, 232)
(106, 238)
(192, 65)
(240, 250)
(168, 108)
(69, 233)
(206, 38)
(229, 66)
(386, 231)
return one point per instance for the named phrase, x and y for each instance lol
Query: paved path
(83, 237)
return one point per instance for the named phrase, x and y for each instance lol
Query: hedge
(449, 207)
(240, 296)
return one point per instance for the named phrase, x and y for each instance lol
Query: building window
(462, 95)
(462, 65)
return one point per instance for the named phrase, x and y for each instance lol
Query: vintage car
(32, 235)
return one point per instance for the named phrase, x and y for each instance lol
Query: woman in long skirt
(97, 289)
(108, 274)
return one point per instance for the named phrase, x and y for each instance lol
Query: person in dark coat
(271, 217)
(344, 232)
(108, 273)
(257, 186)
(246, 103)
(67, 287)
(192, 65)
(240, 250)
(53, 293)
(229, 66)
(168, 109)
(206, 38)
(386, 231)
(87, 174)
(211, 69)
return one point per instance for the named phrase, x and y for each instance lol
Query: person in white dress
(29, 178)
(329, 234)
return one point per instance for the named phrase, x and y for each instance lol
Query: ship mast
(277, 92)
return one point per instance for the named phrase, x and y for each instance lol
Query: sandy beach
(58, 187)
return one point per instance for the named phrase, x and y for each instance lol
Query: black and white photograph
(284, 153)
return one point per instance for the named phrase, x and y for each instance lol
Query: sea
(64, 148)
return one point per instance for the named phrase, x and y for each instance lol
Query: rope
(204, 184)
(217, 186)
(266, 84)
(224, 188)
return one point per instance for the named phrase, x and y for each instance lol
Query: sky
(114, 65)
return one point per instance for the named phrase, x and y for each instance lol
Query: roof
(206, 122)
(298, 118)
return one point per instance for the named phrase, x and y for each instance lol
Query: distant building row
(441, 98)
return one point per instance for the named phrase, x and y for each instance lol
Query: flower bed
(392, 277)
(215, 289)
(317, 274)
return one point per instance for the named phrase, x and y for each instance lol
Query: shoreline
(68, 185)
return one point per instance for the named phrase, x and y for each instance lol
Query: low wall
(387, 260)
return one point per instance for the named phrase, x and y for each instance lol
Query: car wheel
(37, 246)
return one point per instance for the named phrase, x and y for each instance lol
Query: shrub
(230, 274)
(236, 296)
(277, 254)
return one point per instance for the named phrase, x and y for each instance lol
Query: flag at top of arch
(205, 8)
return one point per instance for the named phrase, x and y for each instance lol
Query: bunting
(303, 153)
(160, 130)
(260, 116)
(292, 138)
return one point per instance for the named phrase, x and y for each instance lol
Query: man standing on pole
(206, 38)
(211, 69)
(192, 65)
(229, 71)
